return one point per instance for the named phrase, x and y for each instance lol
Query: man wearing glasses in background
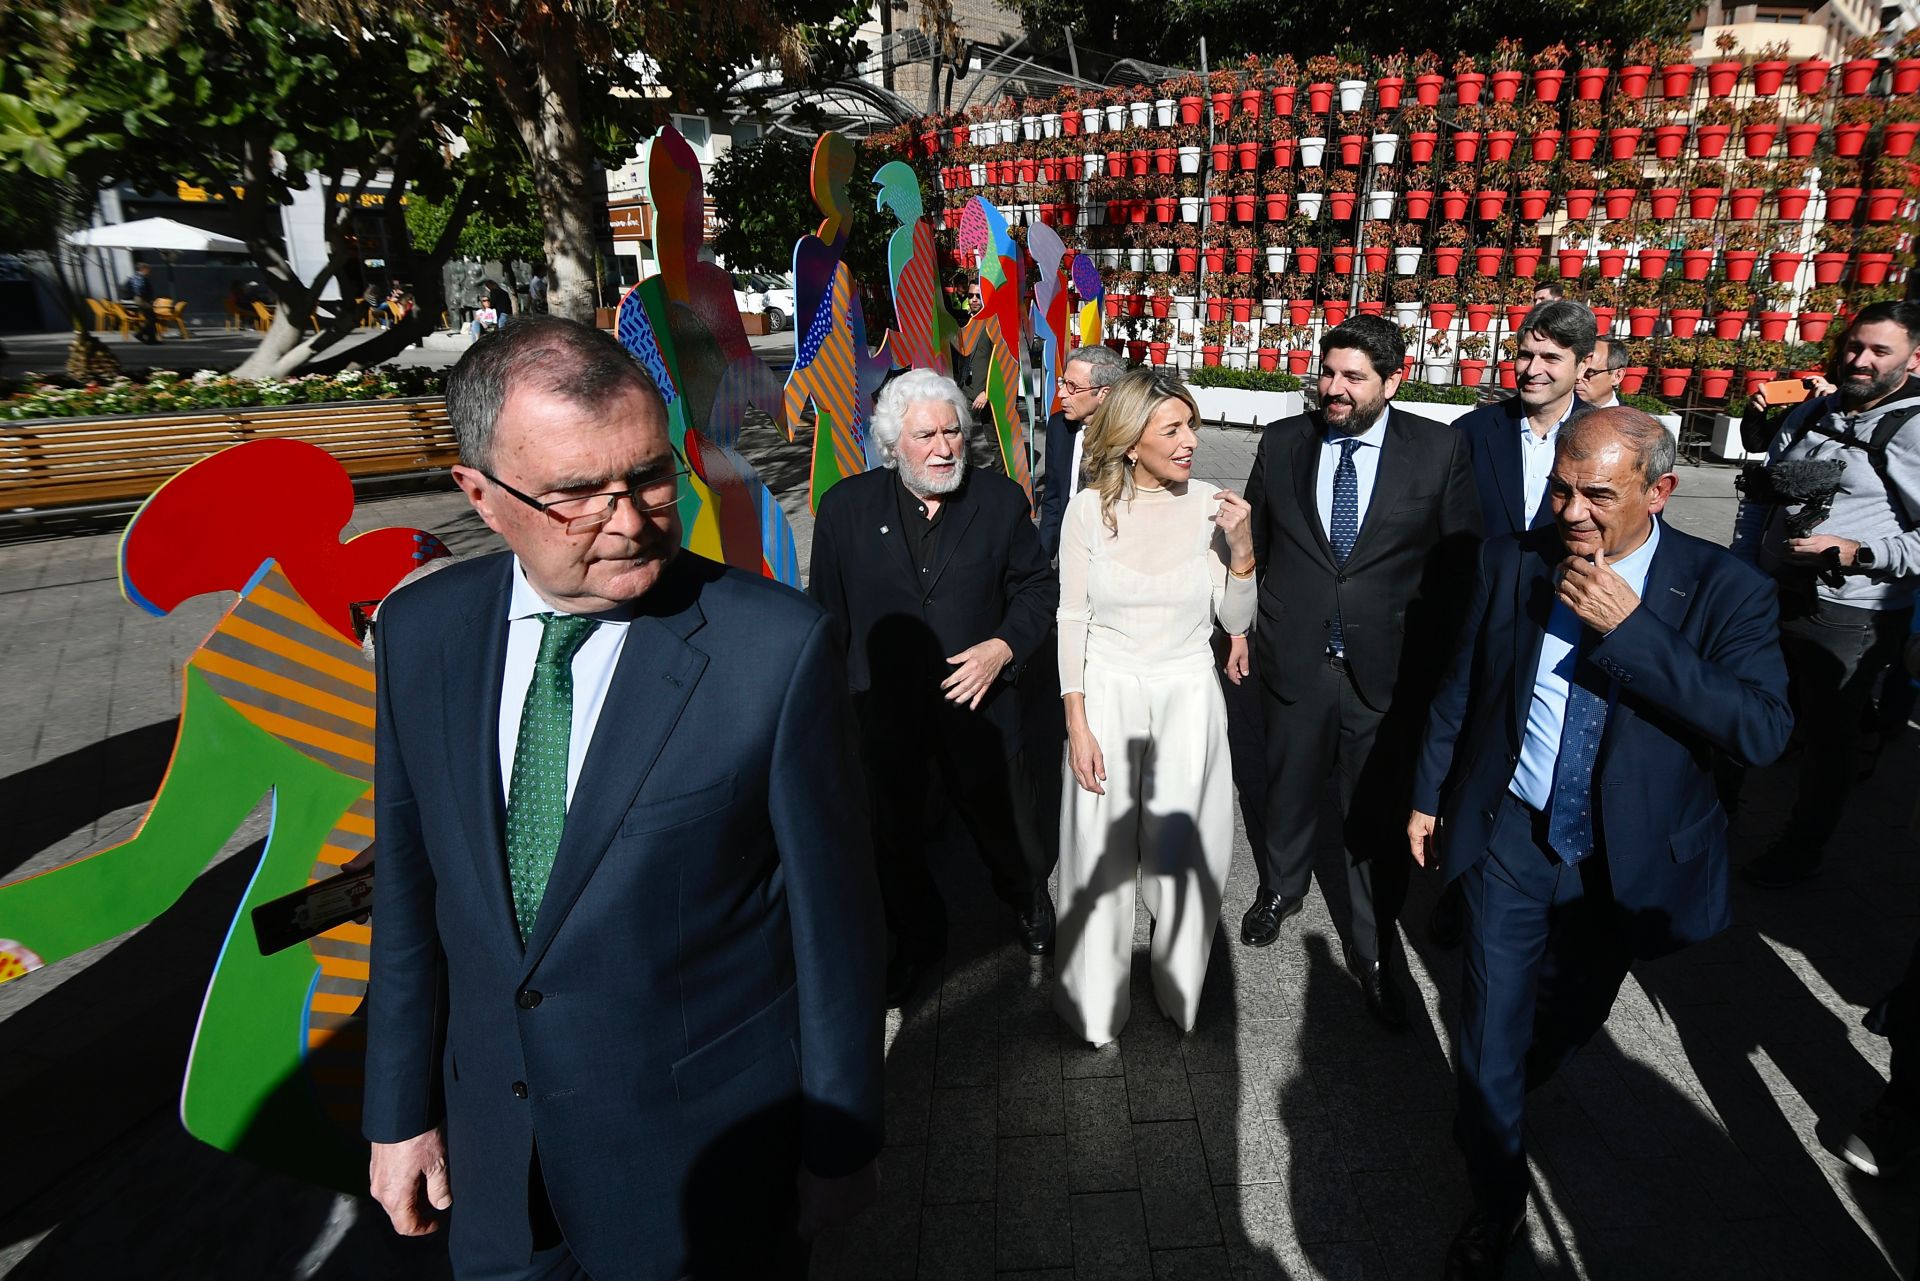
(1083, 389)
(626, 1019)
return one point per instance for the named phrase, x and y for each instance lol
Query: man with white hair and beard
(940, 586)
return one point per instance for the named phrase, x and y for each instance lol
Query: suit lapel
(1504, 450)
(883, 519)
(655, 677)
(470, 676)
(956, 519)
(1671, 588)
(1392, 473)
(1306, 479)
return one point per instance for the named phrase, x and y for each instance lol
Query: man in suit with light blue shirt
(1605, 660)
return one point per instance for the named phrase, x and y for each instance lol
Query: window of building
(694, 129)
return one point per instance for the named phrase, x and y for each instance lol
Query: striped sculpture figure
(999, 322)
(924, 330)
(1049, 313)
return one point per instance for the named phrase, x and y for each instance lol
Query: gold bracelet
(1237, 574)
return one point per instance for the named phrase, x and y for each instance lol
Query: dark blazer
(1699, 669)
(1492, 435)
(989, 579)
(698, 1009)
(1053, 501)
(1400, 592)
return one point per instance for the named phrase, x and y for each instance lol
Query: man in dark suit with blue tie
(1605, 660)
(627, 955)
(1083, 389)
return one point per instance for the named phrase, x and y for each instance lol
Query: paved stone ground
(1285, 1137)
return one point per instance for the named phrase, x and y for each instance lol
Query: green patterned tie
(537, 793)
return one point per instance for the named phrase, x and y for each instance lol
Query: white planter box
(1090, 118)
(1351, 93)
(1162, 258)
(1308, 203)
(1190, 208)
(1189, 160)
(1050, 124)
(1726, 438)
(1140, 114)
(1163, 112)
(1273, 310)
(1247, 408)
(1406, 261)
(1186, 307)
(1116, 117)
(1380, 205)
(978, 172)
(1093, 163)
(1311, 152)
(1439, 413)
(1406, 313)
(1136, 260)
(1030, 128)
(1385, 147)
(1439, 373)
(1277, 258)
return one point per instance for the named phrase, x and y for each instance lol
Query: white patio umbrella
(156, 233)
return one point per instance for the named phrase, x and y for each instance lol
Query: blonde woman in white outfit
(1149, 559)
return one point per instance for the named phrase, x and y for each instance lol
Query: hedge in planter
(166, 392)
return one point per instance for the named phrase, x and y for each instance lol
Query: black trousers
(1835, 654)
(990, 791)
(1369, 753)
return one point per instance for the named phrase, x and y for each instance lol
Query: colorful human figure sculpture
(924, 330)
(999, 323)
(1049, 313)
(831, 364)
(278, 702)
(1093, 299)
(685, 326)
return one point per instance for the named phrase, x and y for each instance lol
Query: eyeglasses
(1075, 389)
(649, 497)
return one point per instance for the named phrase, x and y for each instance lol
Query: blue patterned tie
(1345, 525)
(537, 790)
(1570, 810)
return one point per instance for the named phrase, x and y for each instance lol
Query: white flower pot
(1351, 93)
(1050, 124)
(1114, 258)
(1385, 147)
(1163, 112)
(1186, 307)
(1406, 261)
(1030, 128)
(1406, 313)
(1136, 260)
(1440, 372)
(1093, 214)
(1093, 164)
(1190, 158)
(1116, 117)
(1183, 361)
(1277, 258)
(1308, 202)
(1162, 258)
(1009, 131)
(978, 172)
(1311, 151)
(1273, 310)
(1379, 204)
(1190, 208)
(1140, 114)
(1090, 118)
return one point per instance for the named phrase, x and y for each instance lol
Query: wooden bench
(50, 464)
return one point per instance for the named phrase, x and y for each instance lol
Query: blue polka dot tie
(1344, 527)
(537, 791)
(1570, 811)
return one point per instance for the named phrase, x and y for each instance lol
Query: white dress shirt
(593, 665)
(1547, 712)
(1073, 467)
(1536, 462)
(1366, 465)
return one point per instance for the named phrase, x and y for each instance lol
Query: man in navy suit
(1605, 660)
(625, 1012)
(1083, 389)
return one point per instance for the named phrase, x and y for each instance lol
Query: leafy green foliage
(1418, 393)
(1242, 379)
(170, 393)
(764, 196)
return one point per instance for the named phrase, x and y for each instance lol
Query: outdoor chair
(104, 320)
(167, 311)
(128, 322)
(236, 317)
(262, 317)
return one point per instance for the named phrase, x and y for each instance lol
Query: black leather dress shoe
(1385, 1000)
(1447, 926)
(1261, 925)
(1034, 924)
(1479, 1249)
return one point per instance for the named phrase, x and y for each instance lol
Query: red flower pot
(1222, 107)
(1191, 107)
(1572, 262)
(1829, 266)
(1276, 206)
(1217, 258)
(1533, 204)
(1505, 85)
(1138, 162)
(1283, 96)
(1446, 259)
(1517, 314)
(1373, 307)
(1387, 91)
(1351, 144)
(1653, 263)
(1160, 305)
(1632, 378)
(1702, 201)
(1668, 140)
(1467, 86)
(1855, 76)
(1590, 83)
(1116, 166)
(1581, 142)
(1768, 76)
(1810, 77)
(1341, 204)
(1813, 325)
(1906, 76)
(1490, 204)
(1526, 260)
(1210, 353)
(1157, 354)
(1187, 258)
(1139, 210)
(1486, 259)
(1613, 263)
(1164, 159)
(1841, 202)
(1376, 258)
(1640, 321)
(961, 133)
(1249, 153)
(1472, 371)
(1728, 324)
(1871, 269)
(1673, 382)
(1136, 350)
(1306, 260)
(1897, 138)
(1453, 205)
(1242, 310)
(1509, 376)
(1883, 203)
(1418, 205)
(1715, 382)
(1219, 208)
(1580, 203)
(1744, 202)
(1783, 267)
(1116, 305)
(1250, 103)
(1284, 152)
(1758, 140)
(1801, 139)
(1850, 140)
(1500, 144)
(1479, 316)
(1545, 144)
(1440, 315)
(1676, 80)
(1300, 357)
(1633, 80)
(1620, 201)
(1319, 97)
(1665, 201)
(1685, 321)
(1709, 141)
(1426, 89)
(1334, 311)
(1721, 77)
(1773, 325)
(1343, 260)
(1466, 145)
(1547, 82)
(1243, 257)
(1420, 146)
(1793, 200)
(1166, 208)
(1739, 263)
(1300, 311)
(1623, 141)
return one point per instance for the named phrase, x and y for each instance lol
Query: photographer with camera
(1834, 516)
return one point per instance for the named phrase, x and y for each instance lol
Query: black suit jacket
(698, 1008)
(1698, 667)
(1399, 594)
(989, 578)
(1492, 434)
(1053, 502)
